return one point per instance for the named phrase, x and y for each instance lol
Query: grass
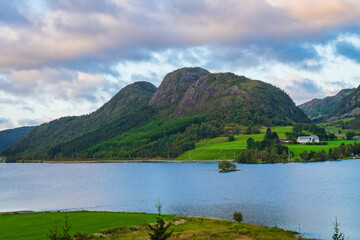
(35, 226)
(298, 148)
(203, 228)
(221, 149)
(121, 226)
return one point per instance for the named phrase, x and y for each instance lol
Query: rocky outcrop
(174, 85)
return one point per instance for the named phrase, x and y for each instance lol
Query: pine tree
(337, 235)
(159, 229)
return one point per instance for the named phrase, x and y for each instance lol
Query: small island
(226, 166)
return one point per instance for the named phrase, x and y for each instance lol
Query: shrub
(231, 138)
(237, 216)
(252, 130)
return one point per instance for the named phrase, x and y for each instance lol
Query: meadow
(114, 225)
(35, 226)
(221, 149)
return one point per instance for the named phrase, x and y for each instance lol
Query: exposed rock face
(174, 85)
(223, 93)
(321, 107)
(207, 93)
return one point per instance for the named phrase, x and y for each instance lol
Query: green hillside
(37, 143)
(11, 136)
(141, 121)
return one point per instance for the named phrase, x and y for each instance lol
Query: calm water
(283, 195)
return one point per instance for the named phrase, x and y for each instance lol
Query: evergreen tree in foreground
(54, 234)
(337, 234)
(159, 229)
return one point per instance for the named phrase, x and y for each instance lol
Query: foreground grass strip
(35, 226)
(204, 228)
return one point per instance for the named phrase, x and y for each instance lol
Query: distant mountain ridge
(10, 136)
(318, 108)
(349, 106)
(142, 120)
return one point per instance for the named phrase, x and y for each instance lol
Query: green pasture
(119, 226)
(35, 226)
(299, 148)
(221, 149)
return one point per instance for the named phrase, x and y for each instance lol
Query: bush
(252, 130)
(237, 216)
(304, 155)
(231, 138)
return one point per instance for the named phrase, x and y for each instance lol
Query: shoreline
(83, 217)
(164, 161)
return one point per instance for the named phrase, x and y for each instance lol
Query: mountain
(10, 136)
(37, 142)
(141, 121)
(319, 108)
(348, 107)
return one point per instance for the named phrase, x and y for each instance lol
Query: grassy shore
(115, 225)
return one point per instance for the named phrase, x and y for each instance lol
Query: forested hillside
(144, 122)
(10, 136)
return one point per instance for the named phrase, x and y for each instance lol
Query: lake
(284, 195)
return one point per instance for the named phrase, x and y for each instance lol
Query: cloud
(111, 31)
(61, 83)
(10, 12)
(6, 123)
(302, 89)
(85, 50)
(32, 122)
(348, 50)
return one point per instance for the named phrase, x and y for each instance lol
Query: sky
(68, 57)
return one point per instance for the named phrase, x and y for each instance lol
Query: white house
(308, 139)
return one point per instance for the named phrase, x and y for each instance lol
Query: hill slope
(348, 107)
(37, 142)
(319, 108)
(10, 136)
(141, 121)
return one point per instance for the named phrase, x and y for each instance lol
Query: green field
(221, 149)
(298, 148)
(121, 226)
(35, 226)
